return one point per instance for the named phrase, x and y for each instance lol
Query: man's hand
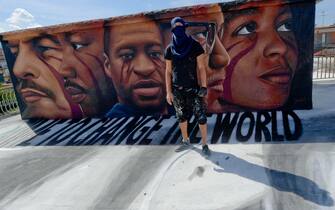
(169, 98)
(202, 92)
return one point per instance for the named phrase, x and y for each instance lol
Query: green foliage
(8, 102)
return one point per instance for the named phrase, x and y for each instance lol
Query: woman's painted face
(264, 56)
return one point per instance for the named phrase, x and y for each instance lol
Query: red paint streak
(159, 65)
(58, 59)
(229, 71)
(233, 45)
(102, 67)
(96, 58)
(90, 72)
(76, 111)
(125, 69)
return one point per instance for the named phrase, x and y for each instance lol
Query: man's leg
(183, 128)
(203, 131)
(200, 113)
(179, 103)
(185, 144)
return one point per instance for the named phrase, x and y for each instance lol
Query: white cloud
(21, 19)
(20, 16)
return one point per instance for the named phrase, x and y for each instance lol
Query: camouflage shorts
(186, 103)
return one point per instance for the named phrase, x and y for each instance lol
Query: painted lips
(147, 88)
(77, 93)
(216, 85)
(31, 95)
(279, 77)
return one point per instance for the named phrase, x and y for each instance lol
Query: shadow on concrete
(280, 180)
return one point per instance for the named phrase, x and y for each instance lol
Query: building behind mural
(324, 41)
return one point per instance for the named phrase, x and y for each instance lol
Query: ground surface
(77, 171)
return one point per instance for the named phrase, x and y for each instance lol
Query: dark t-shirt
(184, 70)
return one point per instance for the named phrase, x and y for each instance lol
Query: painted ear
(107, 65)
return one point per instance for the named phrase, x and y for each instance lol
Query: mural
(258, 58)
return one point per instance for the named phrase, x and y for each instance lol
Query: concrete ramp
(290, 167)
(150, 177)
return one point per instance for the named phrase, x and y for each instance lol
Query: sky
(20, 14)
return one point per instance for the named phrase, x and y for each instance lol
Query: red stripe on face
(96, 58)
(58, 59)
(159, 65)
(76, 111)
(233, 45)
(230, 69)
(90, 72)
(125, 69)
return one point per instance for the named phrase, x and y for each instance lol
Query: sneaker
(184, 146)
(205, 150)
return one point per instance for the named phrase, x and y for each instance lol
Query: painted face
(263, 52)
(137, 66)
(83, 72)
(216, 60)
(38, 84)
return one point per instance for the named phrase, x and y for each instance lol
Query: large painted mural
(258, 58)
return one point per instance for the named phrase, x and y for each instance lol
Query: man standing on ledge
(185, 85)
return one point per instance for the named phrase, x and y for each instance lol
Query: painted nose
(219, 57)
(27, 64)
(143, 65)
(275, 46)
(67, 69)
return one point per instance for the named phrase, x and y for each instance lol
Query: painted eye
(247, 29)
(77, 46)
(155, 54)
(43, 49)
(127, 57)
(286, 26)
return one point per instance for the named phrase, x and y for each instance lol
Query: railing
(8, 103)
(324, 64)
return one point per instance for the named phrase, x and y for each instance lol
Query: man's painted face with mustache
(38, 84)
(263, 53)
(83, 71)
(136, 64)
